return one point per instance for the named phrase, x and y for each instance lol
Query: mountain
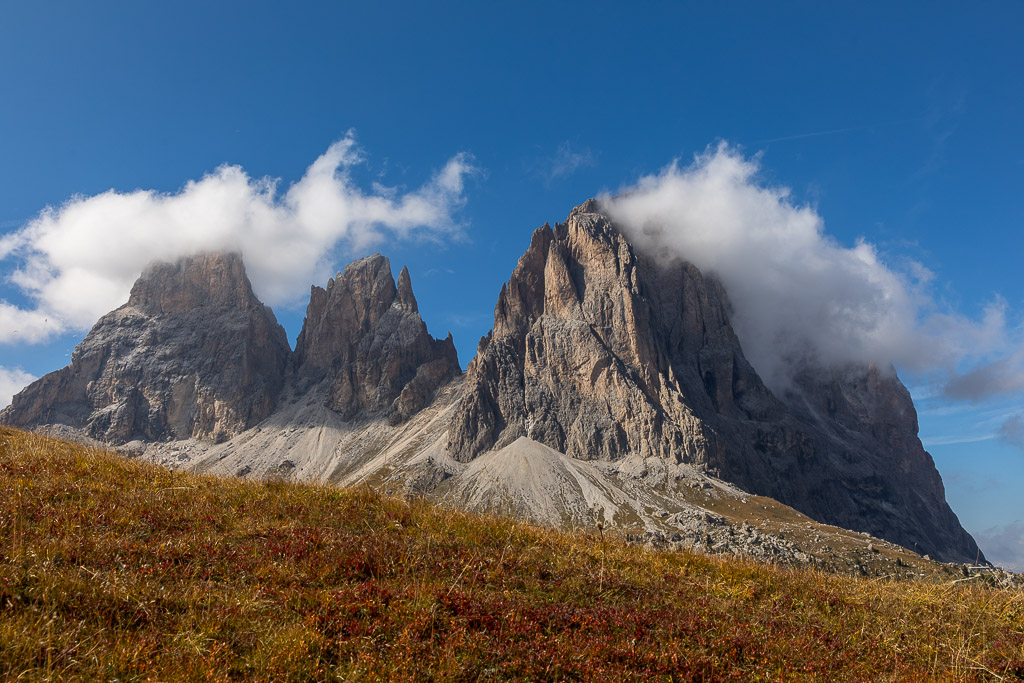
(611, 388)
(193, 354)
(600, 352)
(364, 337)
(194, 365)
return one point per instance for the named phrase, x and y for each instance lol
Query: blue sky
(899, 126)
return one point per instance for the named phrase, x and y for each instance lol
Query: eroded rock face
(193, 354)
(593, 357)
(364, 336)
(599, 351)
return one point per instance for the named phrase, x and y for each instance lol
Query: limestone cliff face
(363, 335)
(193, 354)
(600, 351)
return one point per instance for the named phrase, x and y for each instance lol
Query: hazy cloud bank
(799, 295)
(1004, 545)
(78, 261)
(1012, 431)
(1002, 376)
(12, 380)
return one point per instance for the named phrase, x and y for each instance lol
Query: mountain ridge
(598, 351)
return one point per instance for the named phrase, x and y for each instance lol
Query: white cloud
(797, 294)
(11, 382)
(78, 261)
(30, 326)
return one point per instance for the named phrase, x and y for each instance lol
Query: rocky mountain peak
(204, 279)
(193, 354)
(602, 352)
(599, 352)
(364, 337)
(579, 315)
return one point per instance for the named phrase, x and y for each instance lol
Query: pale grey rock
(193, 354)
(364, 337)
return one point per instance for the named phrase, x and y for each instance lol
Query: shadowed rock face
(363, 335)
(599, 351)
(193, 354)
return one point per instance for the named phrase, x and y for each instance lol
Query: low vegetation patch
(113, 569)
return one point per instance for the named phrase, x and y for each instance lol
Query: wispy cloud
(960, 422)
(940, 124)
(566, 161)
(955, 439)
(77, 261)
(988, 417)
(1002, 376)
(468, 319)
(12, 380)
(835, 131)
(431, 272)
(972, 481)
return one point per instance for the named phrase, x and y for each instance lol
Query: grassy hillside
(114, 569)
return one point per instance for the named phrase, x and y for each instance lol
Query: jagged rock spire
(405, 296)
(365, 337)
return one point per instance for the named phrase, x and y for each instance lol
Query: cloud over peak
(799, 295)
(78, 261)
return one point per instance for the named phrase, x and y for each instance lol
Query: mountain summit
(193, 354)
(364, 336)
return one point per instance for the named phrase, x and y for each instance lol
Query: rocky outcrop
(599, 351)
(193, 354)
(363, 335)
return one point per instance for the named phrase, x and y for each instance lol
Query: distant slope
(653, 500)
(110, 568)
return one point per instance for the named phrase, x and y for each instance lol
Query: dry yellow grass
(112, 569)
